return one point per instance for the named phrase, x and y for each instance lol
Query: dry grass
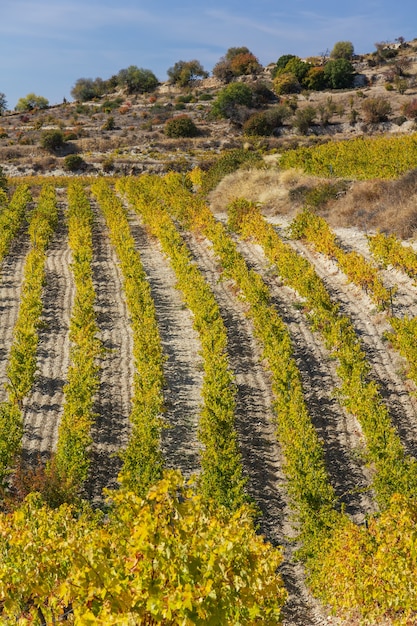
(389, 206)
(268, 187)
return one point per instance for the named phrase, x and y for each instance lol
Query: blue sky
(46, 45)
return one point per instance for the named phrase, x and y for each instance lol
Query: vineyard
(205, 418)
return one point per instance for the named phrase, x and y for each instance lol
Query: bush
(375, 110)
(109, 123)
(409, 109)
(304, 118)
(52, 140)
(73, 162)
(265, 122)
(231, 97)
(180, 126)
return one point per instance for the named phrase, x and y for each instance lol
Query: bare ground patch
(11, 279)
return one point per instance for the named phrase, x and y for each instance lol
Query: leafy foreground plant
(164, 559)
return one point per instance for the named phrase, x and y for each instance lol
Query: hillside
(124, 134)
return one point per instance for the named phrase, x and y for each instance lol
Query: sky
(47, 45)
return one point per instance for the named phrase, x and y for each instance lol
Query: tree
(281, 63)
(231, 97)
(315, 79)
(3, 103)
(342, 50)
(30, 102)
(183, 73)
(286, 82)
(297, 67)
(137, 80)
(87, 89)
(339, 73)
(244, 64)
(236, 62)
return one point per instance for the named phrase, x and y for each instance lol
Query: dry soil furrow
(11, 278)
(386, 364)
(43, 408)
(261, 454)
(112, 406)
(404, 301)
(340, 432)
(183, 366)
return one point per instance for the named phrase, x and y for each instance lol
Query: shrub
(231, 97)
(109, 124)
(304, 118)
(180, 126)
(375, 110)
(73, 162)
(52, 140)
(265, 122)
(409, 109)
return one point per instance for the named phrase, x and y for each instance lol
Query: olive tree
(137, 80)
(183, 73)
(30, 102)
(342, 50)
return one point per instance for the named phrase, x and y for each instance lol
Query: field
(349, 466)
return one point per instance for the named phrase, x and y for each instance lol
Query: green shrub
(180, 126)
(52, 140)
(73, 162)
(232, 96)
(265, 122)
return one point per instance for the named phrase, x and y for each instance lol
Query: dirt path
(370, 325)
(261, 454)
(181, 346)
(43, 407)
(111, 428)
(11, 278)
